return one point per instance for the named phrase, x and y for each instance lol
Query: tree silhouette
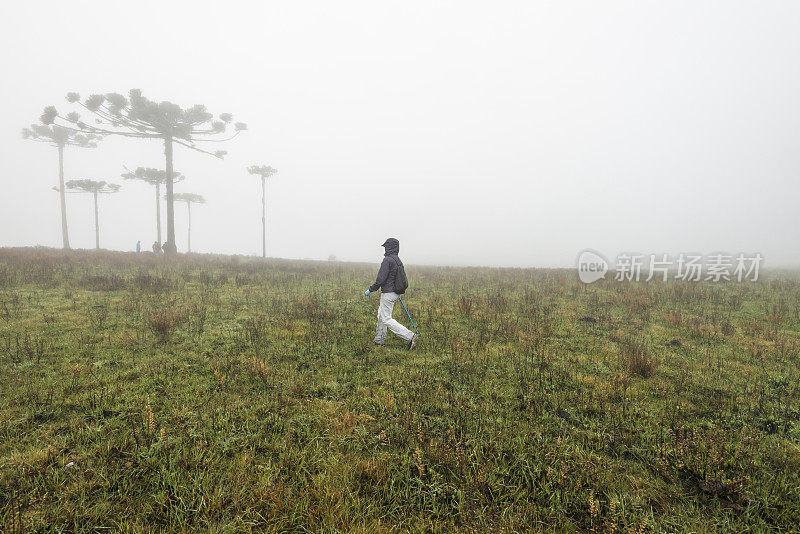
(189, 198)
(264, 171)
(96, 188)
(60, 137)
(137, 116)
(154, 177)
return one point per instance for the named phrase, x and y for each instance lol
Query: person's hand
(367, 292)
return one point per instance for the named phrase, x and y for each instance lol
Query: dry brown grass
(163, 321)
(637, 358)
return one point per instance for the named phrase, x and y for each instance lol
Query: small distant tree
(155, 177)
(264, 171)
(60, 137)
(95, 188)
(137, 116)
(189, 198)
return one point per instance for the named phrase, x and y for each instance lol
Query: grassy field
(229, 394)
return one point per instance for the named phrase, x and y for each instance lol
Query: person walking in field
(387, 281)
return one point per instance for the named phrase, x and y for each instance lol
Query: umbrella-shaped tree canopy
(157, 178)
(138, 116)
(92, 186)
(60, 137)
(189, 198)
(192, 198)
(151, 175)
(263, 171)
(96, 188)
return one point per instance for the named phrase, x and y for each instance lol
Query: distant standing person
(139, 246)
(156, 248)
(386, 282)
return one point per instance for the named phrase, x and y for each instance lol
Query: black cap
(388, 240)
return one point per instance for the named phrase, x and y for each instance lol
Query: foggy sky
(492, 133)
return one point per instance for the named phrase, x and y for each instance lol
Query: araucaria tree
(137, 116)
(189, 198)
(154, 177)
(96, 188)
(264, 171)
(60, 137)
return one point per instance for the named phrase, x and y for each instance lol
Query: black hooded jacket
(388, 270)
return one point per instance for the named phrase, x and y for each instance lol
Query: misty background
(519, 132)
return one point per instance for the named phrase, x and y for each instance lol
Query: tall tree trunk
(158, 211)
(189, 237)
(170, 204)
(263, 217)
(62, 193)
(96, 224)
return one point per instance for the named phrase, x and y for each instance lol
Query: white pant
(385, 320)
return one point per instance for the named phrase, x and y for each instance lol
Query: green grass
(206, 393)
